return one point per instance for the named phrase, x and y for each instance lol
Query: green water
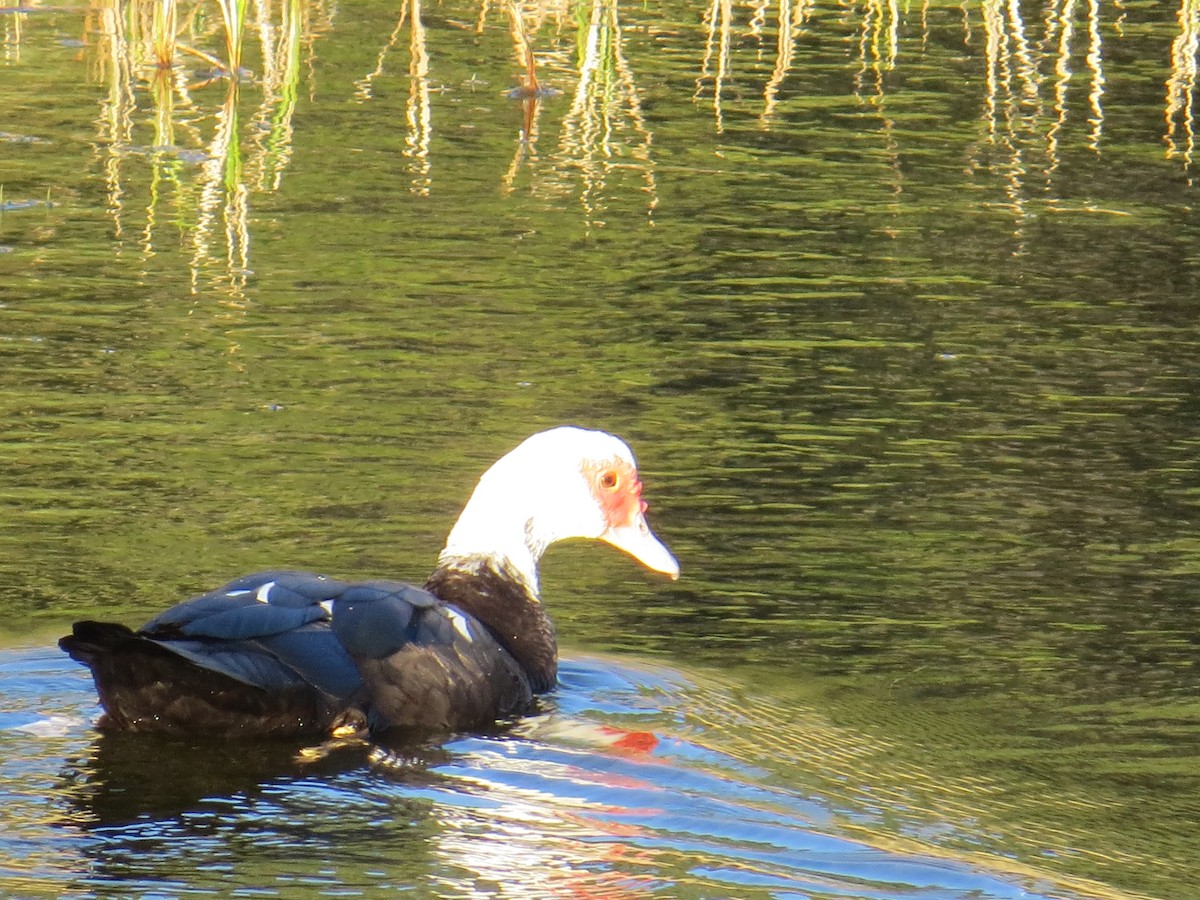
(899, 315)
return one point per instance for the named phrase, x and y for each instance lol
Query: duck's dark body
(288, 653)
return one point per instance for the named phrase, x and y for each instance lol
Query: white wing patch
(240, 593)
(263, 594)
(327, 605)
(460, 624)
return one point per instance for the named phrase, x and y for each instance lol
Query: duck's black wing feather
(252, 606)
(376, 618)
(264, 629)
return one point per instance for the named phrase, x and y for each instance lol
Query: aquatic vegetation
(233, 15)
(163, 28)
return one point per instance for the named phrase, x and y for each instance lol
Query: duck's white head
(563, 483)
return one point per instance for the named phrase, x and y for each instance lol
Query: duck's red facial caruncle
(618, 493)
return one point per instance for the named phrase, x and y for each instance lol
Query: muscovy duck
(289, 653)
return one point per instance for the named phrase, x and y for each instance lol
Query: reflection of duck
(280, 653)
(130, 777)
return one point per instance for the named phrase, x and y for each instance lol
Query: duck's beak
(639, 541)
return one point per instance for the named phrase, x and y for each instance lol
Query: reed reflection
(418, 109)
(1027, 109)
(1042, 71)
(791, 17)
(1181, 85)
(10, 38)
(604, 131)
(1095, 67)
(606, 103)
(525, 20)
(717, 65)
(879, 35)
(1012, 105)
(207, 181)
(271, 126)
(223, 193)
(878, 48)
(714, 67)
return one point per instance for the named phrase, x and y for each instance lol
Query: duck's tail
(89, 642)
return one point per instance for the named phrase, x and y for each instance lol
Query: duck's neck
(492, 529)
(498, 595)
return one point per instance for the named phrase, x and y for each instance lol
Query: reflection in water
(1065, 24)
(10, 38)
(418, 110)
(525, 151)
(364, 87)
(1029, 67)
(418, 113)
(879, 35)
(271, 125)
(1015, 108)
(115, 123)
(791, 16)
(718, 19)
(166, 167)
(931, 471)
(605, 104)
(877, 48)
(131, 53)
(539, 842)
(223, 192)
(605, 107)
(524, 19)
(122, 778)
(1095, 67)
(1181, 85)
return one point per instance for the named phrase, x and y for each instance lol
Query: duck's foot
(348, 730)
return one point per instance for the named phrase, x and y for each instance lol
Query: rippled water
(619, 788)
(896, 304)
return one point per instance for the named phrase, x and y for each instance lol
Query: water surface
(618, 788)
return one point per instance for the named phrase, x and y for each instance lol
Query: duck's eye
(609, 480)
